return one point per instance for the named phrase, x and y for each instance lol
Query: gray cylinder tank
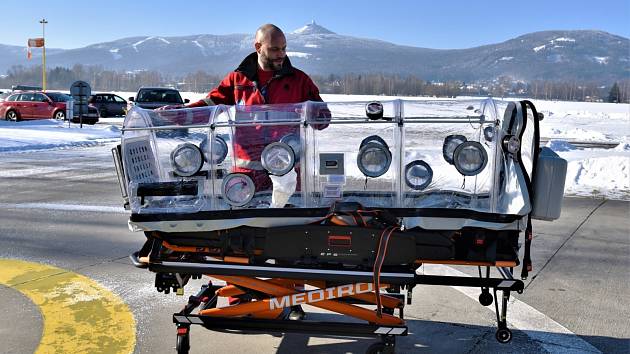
(551, 172)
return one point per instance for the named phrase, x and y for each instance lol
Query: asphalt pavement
(62, 208)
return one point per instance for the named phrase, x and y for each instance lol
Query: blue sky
(431, 24)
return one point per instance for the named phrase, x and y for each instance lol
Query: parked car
(34, 105)
(22, 88)
(108, 104)
(90, 118)
(155, 97)
(41, 105)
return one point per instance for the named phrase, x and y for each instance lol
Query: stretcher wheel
(297, 313)
(503, 335)
(183, 344)
(387, 310)
(380, 348)
(485, 298)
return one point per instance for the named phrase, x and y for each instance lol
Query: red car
(34, 105)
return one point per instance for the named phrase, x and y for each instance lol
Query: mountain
(549, 55)
(15, 55)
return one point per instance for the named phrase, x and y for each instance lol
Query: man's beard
(270, 63)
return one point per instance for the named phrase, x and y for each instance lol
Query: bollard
(69, 110)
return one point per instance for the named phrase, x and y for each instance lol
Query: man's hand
(319, 113)
(172, 106)
(323, 115)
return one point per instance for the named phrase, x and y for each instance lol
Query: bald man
(264, 77)
(270, 45)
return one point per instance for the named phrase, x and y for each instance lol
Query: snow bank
(599, 176)
(587, 121)
(52, 134)
(560, 145)
(579, 134)
(623, 147)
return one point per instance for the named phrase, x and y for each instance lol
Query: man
(263, 77)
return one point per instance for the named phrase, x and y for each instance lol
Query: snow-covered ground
(52, 134)
(591, 172)
(596, 172)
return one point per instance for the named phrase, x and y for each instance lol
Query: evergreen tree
(613, 95)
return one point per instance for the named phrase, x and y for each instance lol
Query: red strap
(378, 263)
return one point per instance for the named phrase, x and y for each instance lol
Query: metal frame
(328, 121)
(122, 181)
(264, 316)
(264, 301)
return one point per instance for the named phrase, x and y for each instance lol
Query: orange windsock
(36, 42)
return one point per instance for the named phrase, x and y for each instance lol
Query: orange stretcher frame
(265, 294)
(284, 293)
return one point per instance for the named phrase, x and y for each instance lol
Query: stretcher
(334, 206)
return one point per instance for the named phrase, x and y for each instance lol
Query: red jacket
(241, 87)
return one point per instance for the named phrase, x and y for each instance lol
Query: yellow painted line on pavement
(79, 315)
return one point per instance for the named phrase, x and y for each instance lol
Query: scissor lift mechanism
(271, 290)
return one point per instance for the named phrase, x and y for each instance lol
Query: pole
(44, 22)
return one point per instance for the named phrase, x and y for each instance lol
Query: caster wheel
(380, 348)
(485, 298)
(503, 335)
(388, 311)
(183, 344)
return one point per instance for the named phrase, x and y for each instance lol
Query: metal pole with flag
(33, 43)
(43, 22)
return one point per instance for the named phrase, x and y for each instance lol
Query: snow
(506, 58)
(600, 174)
(312, 28)
(135, 45)
(52, 134)
(623, 147)
(553, 43)
(202, 48)
(562, 39)
(604, 122)
(310, 45)
(298, 54)
(115, 53)
(601, 60)
(301, 29)
(591, 172)
(560, 145)
(539, 48)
